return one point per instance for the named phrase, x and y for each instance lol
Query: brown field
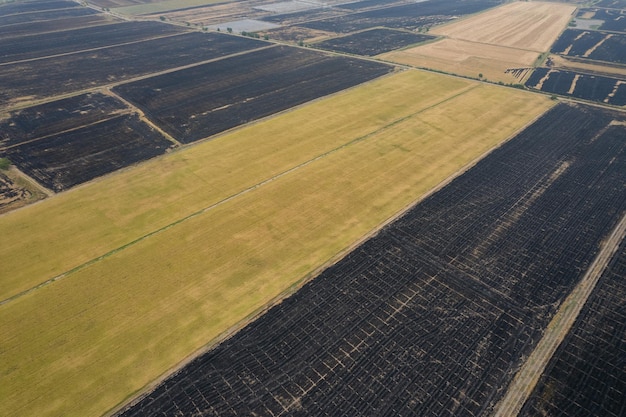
(465, 58)
(524, 25)
(574, 64)
(507, 37)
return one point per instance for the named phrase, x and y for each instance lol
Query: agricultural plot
(595, 45)
(407, 16)
(497, 45)
(612, 20)
(434, 314)
(25, 125)
(201, 101)
(373, 42)
(161, 259)
(68, 41)
(17, 7)
(587, 376)
(588, 87)
(35, 28)
(48, 77)
(44, 16)
(525, 25)
(63, 160)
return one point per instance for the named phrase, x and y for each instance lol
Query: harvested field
(36, 28)
(594, 45)
(218, 13)
(22, 126)
(26, 81)
(523, 25)
(201, 101)
(586, 376)
(45, 16)
(588, 87)
(373, 42)
(497, 45)
(164, 260)
(466, 58)
(20, 7)
(586, 66)
(406, 16)
(76, 40)
(63, 160)
(612, 20)
(432, 316)
(151, 7)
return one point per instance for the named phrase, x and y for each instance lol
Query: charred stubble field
(68, 41)
(373, 42)
(201, 101)
(587, 376)
(64, 160)
(52, 76)
(434, 314)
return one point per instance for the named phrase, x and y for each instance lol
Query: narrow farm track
(238, 194)
(526, 379)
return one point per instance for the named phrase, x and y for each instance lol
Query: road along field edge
(526, 379)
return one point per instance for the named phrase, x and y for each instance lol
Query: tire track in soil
(526, 379)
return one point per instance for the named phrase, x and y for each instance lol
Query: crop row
(207, 99)
(432, 316)
(588, 87)
(587, 374)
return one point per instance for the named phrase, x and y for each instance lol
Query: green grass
(83, 344)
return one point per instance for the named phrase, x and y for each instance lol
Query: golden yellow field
(466, 58)
(177, 251)
(523, 25)
(510, 36)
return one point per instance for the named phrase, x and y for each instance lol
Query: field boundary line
(296, 285)
(234, 196)
(533, 368)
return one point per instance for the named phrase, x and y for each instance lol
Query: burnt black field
(68, 73)
(612, 48)
(34, 28)
(433, 315)
(67, 41)
(373, 42)
(40, 16)
(56, 117)
(201, 101)
(614, 20)
(16, 7)
(587, 374)
(588, 87)
(406, 16)
(66, 159)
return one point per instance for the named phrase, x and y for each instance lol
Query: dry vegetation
(233, 222)
(511, 36)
